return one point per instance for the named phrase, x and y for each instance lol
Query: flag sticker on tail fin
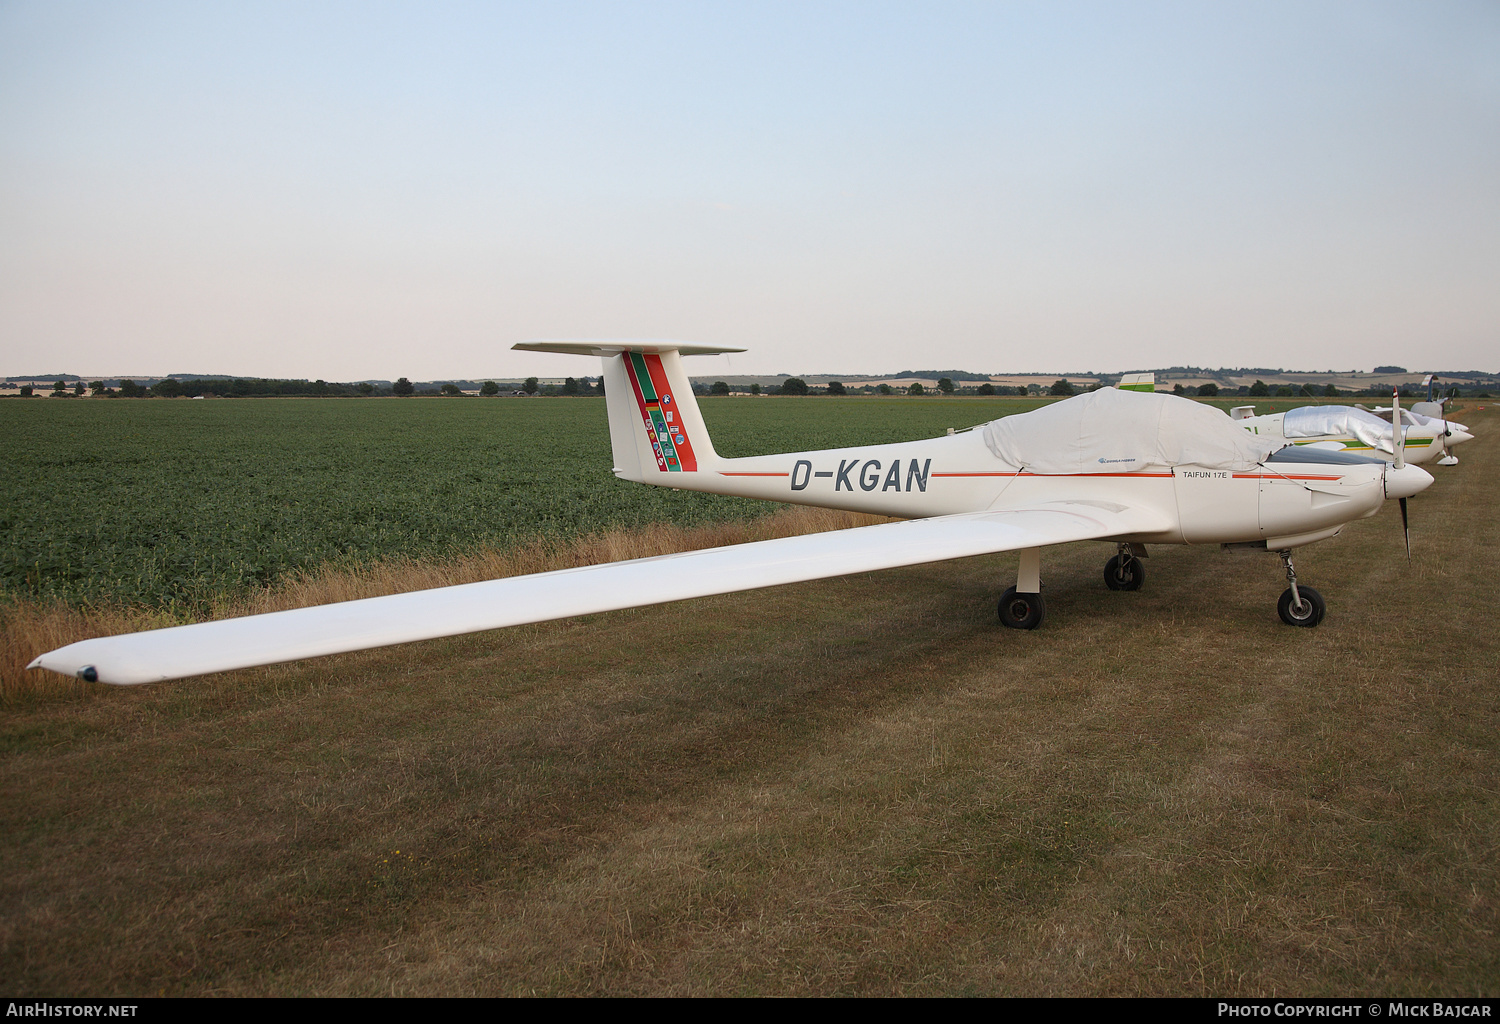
(653, 394)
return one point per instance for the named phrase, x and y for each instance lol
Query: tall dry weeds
(29, 628)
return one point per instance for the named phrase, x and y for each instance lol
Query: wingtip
(88, 673)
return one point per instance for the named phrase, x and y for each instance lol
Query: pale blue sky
(349, 190)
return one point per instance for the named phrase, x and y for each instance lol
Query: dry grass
(28, 629)
(857, 786)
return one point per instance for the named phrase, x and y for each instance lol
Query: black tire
(1309, 615)
(1124, 573)
(1021, 611)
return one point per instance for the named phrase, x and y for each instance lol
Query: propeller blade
(1405, 528)
(1398, 436)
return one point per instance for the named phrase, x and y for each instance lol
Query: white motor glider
(1119, 466)
(1360, 431)
(1430, 416)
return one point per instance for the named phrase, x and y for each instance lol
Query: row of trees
(1062, 387)
(259, 387)
(1260, 389)
(570, 386)
(798, 386)
(128, 389)
(945, 386)
(489, 389)
(170, 387)
(252, 387)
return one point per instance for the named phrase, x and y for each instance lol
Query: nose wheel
(1308, 613)
(1299, 606)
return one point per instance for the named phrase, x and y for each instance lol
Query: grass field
(858, 786)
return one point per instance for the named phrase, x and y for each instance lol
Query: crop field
(860, 786)
(183, 504)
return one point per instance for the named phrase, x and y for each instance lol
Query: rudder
(656, 431)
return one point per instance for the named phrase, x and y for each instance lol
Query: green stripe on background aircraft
(1124, 467)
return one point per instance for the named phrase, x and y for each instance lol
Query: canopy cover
(1110, 431)
(1338, 421)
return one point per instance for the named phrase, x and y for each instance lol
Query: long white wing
(448, 611)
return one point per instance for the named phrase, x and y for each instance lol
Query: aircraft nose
(1406, 481)
(1456, 435)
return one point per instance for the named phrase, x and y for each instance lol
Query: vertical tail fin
(655, 429)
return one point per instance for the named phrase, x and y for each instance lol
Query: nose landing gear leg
(1299, 606)
(1125, 571)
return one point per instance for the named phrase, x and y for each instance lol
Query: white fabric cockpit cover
(1338, 421)
(1111, 431)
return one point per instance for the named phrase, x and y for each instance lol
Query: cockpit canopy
(1111, 431)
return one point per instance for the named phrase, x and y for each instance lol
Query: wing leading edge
(299, 633)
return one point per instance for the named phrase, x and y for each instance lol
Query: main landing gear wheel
(1308, 614)
(1124, 572)
(1021, 611)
